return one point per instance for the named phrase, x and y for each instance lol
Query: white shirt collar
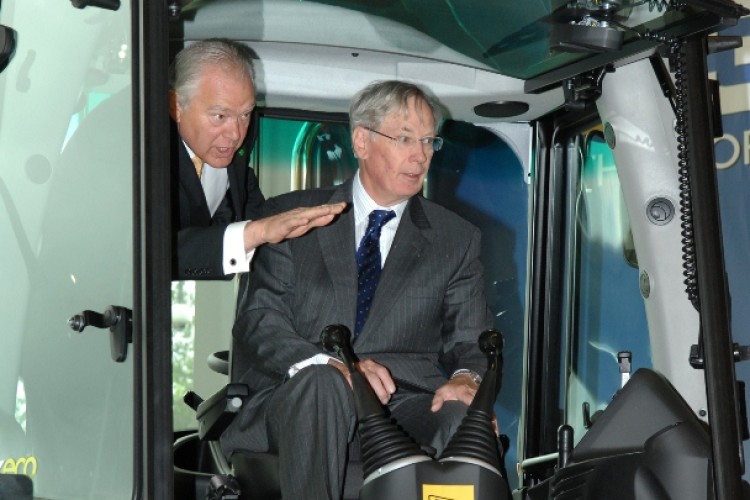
(364, 204)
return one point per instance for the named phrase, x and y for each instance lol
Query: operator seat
(256, 472)
(389, 457)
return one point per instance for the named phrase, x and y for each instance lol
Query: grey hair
(189, 63)
(371, 105)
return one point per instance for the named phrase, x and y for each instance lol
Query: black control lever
(118, 319)
(336, 339)
(381, 441)
(564, 445)
(475, 438)
(102, 4)
(395, 466)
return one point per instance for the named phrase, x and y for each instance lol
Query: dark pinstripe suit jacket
(428, 310)
(198, 239)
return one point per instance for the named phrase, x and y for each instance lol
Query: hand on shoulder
(290, 224)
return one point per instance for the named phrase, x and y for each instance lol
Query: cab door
(73, 415)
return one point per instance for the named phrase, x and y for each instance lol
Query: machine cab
(579, 138)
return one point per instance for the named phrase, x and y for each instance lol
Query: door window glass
(66, 413)
(607, 317)
(295, 154)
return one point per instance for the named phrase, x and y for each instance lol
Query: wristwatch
(474, 375)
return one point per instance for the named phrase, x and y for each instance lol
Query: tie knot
(198, 165)
(378, 218)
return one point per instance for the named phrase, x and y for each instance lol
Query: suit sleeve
(199, 253)
(199, 249)
(465, 312)
(265, 328)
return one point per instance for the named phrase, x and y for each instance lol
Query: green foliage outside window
(183, 334)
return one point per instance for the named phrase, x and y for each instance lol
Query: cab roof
(487, 60)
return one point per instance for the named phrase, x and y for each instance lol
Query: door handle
(118, 319)
(102, 4)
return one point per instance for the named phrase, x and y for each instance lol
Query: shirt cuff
(318, 359)
(234, 259)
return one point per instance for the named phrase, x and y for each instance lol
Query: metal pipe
(712, 286)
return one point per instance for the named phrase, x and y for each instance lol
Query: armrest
(216, 413)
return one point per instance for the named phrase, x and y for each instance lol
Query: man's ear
(174, 108)
(360, 142)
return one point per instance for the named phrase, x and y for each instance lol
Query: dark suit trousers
(310, 422)
(412, 413)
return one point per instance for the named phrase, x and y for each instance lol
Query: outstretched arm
(289, 224)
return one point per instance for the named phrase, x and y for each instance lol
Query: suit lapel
(237, 174)
(411, 238)
(337, 248)
(191, 185)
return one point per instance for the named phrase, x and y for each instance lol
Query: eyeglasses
(405, 142)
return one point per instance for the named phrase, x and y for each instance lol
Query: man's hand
(379, 378)
(376, 374)
(459, 388)
(289, 224)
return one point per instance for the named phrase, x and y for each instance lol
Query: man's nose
(233, 128)
(420, 152)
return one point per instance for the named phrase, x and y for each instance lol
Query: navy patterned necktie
(368, 264)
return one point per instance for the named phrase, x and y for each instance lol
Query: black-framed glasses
(405, 142)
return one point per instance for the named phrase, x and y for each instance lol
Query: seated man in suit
(216, 199)
(416, 340)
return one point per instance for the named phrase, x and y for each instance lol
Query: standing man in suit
(216, 220)
(418, 345)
